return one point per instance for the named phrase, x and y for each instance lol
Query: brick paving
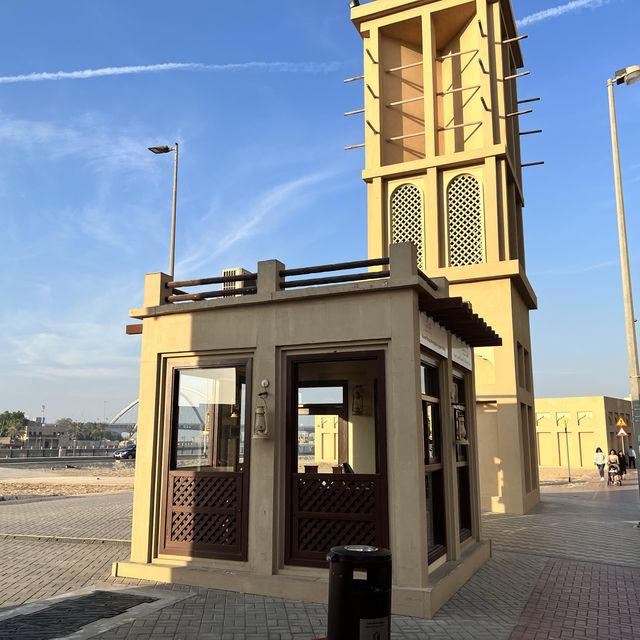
(104, 516)
(592, 522)
(582, 600)
(567, 570)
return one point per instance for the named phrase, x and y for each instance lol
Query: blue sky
(85, 207)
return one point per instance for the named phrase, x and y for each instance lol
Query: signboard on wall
(461, 353)
(433, 336)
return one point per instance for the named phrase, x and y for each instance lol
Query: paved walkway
(102, 516)
(567, 570)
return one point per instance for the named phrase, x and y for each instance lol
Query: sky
(253, 93)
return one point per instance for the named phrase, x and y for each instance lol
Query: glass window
(210, 419)
(434, 472)
(432, 432)
(337, 417)
(462, 454)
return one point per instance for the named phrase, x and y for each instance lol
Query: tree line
(13, 423)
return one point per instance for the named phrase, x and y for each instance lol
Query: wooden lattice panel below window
(334, 510)
(205, 514)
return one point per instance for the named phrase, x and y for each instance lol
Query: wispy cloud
(98, 143)
(84, 74)
(577, 270)
(74, 350)
(267, 210)
(554, 12)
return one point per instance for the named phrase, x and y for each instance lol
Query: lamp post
(172, 246)
(629, 75)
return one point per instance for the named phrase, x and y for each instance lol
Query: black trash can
(359, 609)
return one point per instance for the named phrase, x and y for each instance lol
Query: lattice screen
(466, 234)
(407, 218)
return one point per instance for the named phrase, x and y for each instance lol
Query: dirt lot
(22, 481)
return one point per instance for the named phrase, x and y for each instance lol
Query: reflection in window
(462, 455)
(210, 418)
(336, 417)
(434, 471)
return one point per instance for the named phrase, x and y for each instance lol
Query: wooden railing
(287, 279)
(341, 266)
(180, 296)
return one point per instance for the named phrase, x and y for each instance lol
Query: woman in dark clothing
(623, 463)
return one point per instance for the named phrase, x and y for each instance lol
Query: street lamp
(172, 247)
(629, 75)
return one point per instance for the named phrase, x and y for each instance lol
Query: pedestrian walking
(623, 463)
(599, 459)
(631, 454)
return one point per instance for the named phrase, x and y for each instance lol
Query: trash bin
(359, 609)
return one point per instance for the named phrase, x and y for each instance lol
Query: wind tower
(443, 170)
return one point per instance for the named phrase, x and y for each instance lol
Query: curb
(21, 536)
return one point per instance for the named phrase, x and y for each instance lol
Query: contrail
(271, 67)
(553, 12)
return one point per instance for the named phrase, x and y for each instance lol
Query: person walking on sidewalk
(599, 459)
(631, 454)
(623, 463)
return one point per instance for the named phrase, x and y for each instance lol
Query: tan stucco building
(591, 422)
(443, 170)
(230, 492)
(281, 417)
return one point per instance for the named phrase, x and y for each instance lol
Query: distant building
(591, 422)
(45, 436)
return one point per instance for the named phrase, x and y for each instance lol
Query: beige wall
(590, 424)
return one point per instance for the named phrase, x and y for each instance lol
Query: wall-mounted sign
(433, 336)
(461, 353)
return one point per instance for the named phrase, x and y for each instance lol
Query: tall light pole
(629, 75)
(172, 246)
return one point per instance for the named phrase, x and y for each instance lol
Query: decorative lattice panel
(333, 510)
(320, 535)
(211, 491)
(204, 513)
(204, 528)
(407, 218)
(322, 495)
(466, 234)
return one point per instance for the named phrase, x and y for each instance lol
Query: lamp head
(354, 3)
(162, 149)
(628, 75)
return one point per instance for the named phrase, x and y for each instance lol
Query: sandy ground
(26, 481)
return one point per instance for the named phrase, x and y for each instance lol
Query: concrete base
(410, 601)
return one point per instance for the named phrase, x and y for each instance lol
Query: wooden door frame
(169, 455)
(378, 358)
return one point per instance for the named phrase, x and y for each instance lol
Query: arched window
(466, 228)
(407, 218)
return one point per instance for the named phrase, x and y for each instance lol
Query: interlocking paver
(104, 516)
(520, 593)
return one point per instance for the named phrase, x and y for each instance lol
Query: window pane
(211, 417)
(458, 391)
(433, 386)
(436, 527)
(432, 432)
(464, 502)
(336, 417)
